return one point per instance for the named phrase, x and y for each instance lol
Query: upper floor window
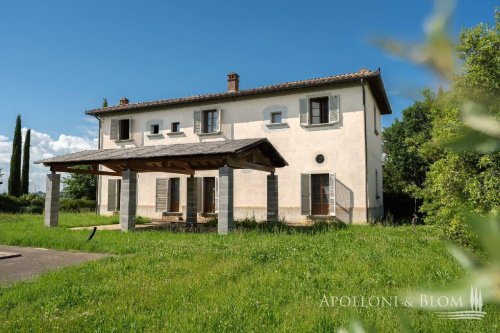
(121, 129)
(375, 126)
(210, 121)
(318, 109)
(175, 127)
(155, 129)
(276, 118)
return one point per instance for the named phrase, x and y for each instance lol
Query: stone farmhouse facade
(327, 129)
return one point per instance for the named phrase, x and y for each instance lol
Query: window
(320, 158)
(318, 108)
(320, 194)
(375, 127)
(208, 194)
(175, 128)
(124, 129)
(210, 121)
(377, 194)
(174, 194)
(155, 129)
(276, 118)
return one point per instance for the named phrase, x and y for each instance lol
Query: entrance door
(174, 194)
(209, 194)
(320, 194)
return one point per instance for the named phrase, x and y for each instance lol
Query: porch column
(53, 185)
(128, 200)
(272, 197)
(226, 202)
(191, 205)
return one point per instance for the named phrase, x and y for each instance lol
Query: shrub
(9, 204)
(141, 220)
(77, 205)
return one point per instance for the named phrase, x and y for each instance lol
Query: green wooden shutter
(161, 194)
(305, 194)
(113, 131)
(197, 122)
(112, 200)
(334, 109)
(332, 194)
(199, 194)
(304, 114)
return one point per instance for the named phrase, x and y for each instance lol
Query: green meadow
(248, 281)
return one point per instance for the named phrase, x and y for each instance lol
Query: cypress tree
(104, 102)
(25, 176)
(15, 162)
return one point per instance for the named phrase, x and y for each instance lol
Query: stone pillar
(226, 202)
(53, 185)
(272, 197)
(191, 205)
(128, 200)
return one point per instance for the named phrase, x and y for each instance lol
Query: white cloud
(42, 146)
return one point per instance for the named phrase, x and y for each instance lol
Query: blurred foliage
(461, 189)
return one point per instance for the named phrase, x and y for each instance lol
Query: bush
(141, 220)
(9, 204)
(77, 205)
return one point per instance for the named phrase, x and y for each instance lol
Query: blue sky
(59, 58)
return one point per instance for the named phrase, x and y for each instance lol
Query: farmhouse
(298, 150)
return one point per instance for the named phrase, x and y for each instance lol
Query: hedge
(34, 204)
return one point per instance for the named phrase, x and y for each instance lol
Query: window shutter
(112, 195)
(305, 194)
(219, 119)
(197, 122)
(334, 109)
(113, 132)
(216, 194)
(161, 194)
(199, 194)
(331, 185)
(304, 115)
(130, 128)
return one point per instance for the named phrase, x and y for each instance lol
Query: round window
(320, 158)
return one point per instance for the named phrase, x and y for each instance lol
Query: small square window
(155, 129)
(175, 127)
(276, 118)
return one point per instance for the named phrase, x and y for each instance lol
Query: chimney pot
(233, 82)
(124, 101)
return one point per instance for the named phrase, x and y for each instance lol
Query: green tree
(25, 176)
(15, 162)
(80, 186)
(404, 142)
(104, 102)
(465, 180)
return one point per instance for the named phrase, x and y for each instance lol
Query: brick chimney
(233, 82)
(123, 101)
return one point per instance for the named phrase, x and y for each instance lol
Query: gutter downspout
(98, 183)
(366, 148)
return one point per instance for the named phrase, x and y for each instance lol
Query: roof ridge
(282, 85)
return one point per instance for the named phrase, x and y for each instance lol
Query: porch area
(184, 159)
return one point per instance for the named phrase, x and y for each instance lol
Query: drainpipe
(98, 182)
(366, 148)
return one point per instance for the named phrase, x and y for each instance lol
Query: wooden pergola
(225, 156)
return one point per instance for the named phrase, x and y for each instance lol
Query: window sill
(320, 125)
(175, 133)
(210, 134)
(124, 141)
(277, 125)
(155, 136)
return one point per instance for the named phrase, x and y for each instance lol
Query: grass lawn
(245, 281)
